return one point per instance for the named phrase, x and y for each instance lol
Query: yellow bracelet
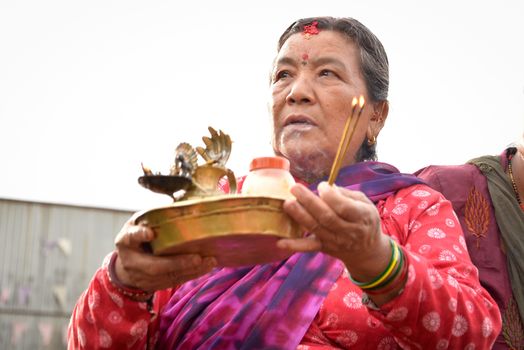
(387, 272)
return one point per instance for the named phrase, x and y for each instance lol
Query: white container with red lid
(269, 176)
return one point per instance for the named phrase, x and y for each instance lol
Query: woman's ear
(377, 120)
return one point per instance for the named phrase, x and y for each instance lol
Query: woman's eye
(282, 75)
(326, 73)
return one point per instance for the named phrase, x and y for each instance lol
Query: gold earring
(372, 140)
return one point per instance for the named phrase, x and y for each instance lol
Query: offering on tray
(237, 229)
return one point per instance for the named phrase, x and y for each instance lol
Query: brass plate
(236, 229)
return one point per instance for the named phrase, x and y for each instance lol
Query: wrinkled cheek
(275, 111)
(277, 99)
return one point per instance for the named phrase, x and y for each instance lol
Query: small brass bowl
(237, 230)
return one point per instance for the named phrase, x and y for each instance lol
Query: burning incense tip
(361, 101)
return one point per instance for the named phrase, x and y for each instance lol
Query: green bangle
(393, 276)
(386, 273)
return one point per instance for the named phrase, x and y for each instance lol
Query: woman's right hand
(136, 268)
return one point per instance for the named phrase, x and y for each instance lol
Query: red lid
(269, 162)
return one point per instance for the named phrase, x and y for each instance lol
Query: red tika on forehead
(311, 29)
(305, 57)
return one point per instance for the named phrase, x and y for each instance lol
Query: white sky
(89, 89)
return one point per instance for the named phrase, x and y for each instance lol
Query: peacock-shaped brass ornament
(187, 179)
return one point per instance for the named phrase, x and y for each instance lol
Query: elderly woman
(488, 196)
(384, 265)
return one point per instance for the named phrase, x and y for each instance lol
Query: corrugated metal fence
(48, 254)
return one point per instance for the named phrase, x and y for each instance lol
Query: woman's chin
(307, 163)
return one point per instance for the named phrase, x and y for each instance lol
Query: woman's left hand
(342, 223)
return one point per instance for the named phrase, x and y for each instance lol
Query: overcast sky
(90, 89)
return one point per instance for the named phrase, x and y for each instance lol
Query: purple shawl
(268, 306)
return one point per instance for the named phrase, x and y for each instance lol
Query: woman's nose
(301, 92)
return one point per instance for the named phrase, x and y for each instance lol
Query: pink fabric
(255, 307)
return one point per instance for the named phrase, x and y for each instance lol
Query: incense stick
(357, 105)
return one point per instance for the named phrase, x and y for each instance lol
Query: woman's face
(313, 82)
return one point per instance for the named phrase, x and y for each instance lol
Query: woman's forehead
(324, 42)
(326, 46)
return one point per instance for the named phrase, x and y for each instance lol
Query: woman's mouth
(298, 121)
